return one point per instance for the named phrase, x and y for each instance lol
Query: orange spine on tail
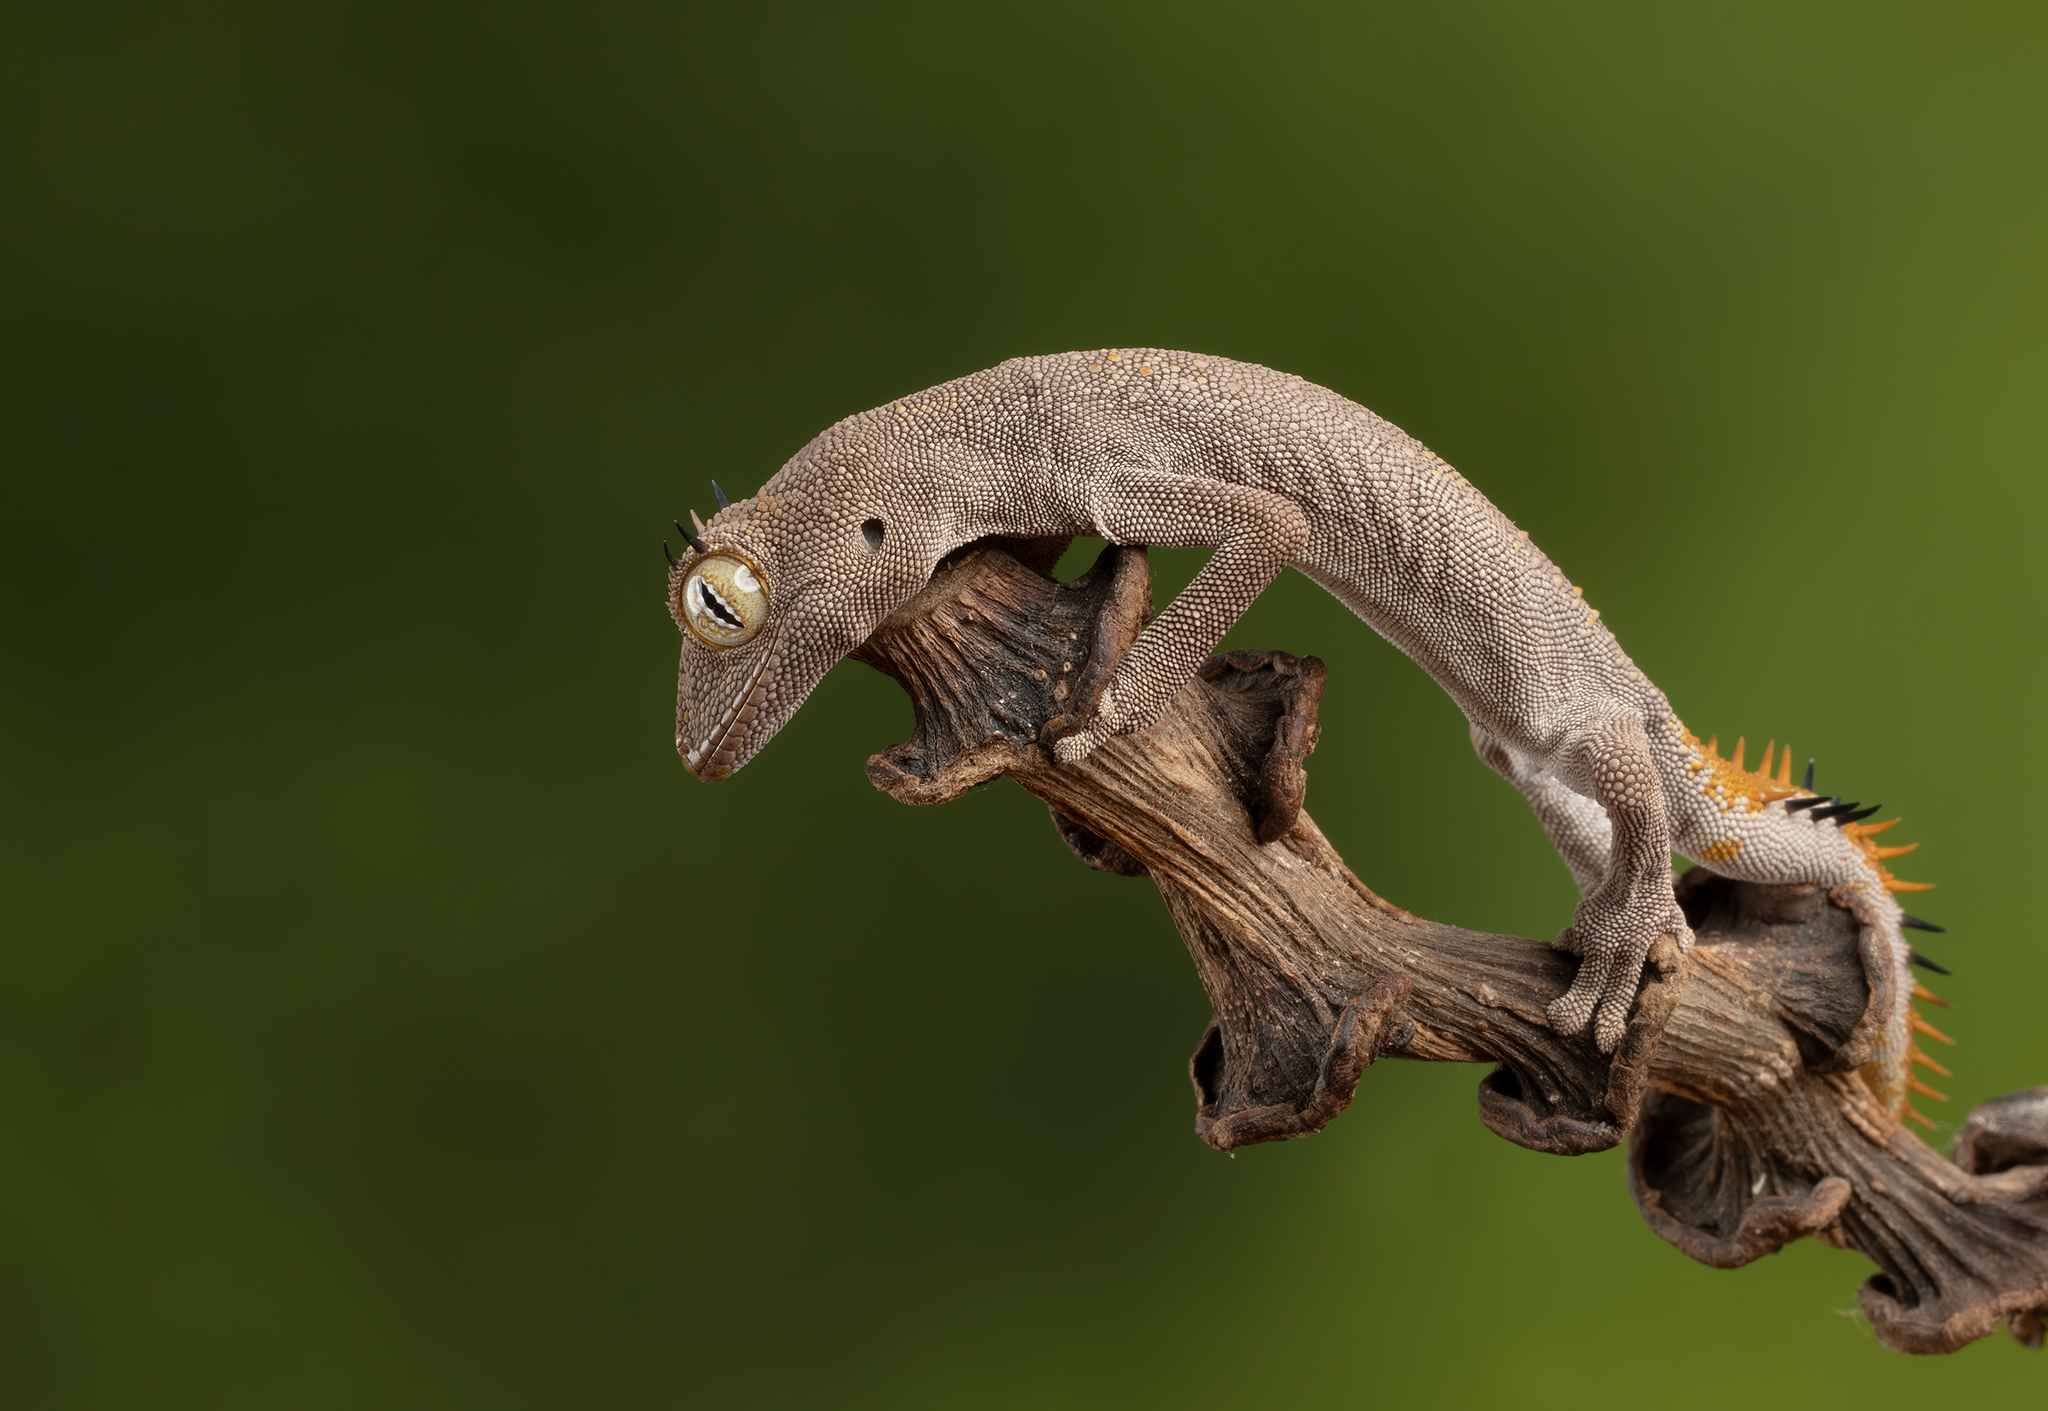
(1739, 789)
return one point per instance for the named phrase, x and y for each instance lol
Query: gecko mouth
(723, 749)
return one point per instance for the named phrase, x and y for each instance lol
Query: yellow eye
(724, 601)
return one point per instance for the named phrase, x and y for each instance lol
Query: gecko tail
(1738, 789)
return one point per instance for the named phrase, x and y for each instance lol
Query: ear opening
(872, 531)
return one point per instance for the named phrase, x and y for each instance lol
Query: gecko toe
(1075, 748)
(1612, 1020)
(1570, 1011)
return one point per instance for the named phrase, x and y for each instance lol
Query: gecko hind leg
(1617, 923)
(1576, 826)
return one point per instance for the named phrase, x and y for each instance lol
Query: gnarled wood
(1734, 1084)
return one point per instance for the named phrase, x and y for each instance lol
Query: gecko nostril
(872, 531)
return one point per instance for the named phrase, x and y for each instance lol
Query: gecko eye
(724, 601)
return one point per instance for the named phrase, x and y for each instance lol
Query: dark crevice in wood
(1735, 1085)
(1097, 851)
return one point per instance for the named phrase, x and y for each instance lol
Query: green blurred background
(387, 1020)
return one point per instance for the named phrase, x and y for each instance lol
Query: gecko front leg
(1255, 534)
(1616, 924)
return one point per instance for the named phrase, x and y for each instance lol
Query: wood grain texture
(1735, 1085)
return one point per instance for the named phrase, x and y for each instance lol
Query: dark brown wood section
(1735, 1085)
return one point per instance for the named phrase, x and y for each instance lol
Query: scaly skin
(1151, 447)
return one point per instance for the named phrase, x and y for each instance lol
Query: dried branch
(1735, 1083)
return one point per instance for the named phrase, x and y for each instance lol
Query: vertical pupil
(708, 598)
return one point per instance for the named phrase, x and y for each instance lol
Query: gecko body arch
(1149, 446)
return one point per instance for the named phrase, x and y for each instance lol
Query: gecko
(1155, 447)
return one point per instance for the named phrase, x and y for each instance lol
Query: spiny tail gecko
(1143, 446)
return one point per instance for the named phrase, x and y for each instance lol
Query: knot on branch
(1746, 1151)
(1367, 1022)
(1266, 701)
(1707, 1187)
(996, 655)
(2008, 1133)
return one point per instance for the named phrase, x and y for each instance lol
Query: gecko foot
(1612, 943)
(1107, 723)
(1076, 747)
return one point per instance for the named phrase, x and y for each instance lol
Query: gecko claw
(1809, 776)
(673, 561)
(688, 538)
(723, 502)
(1818, 801)
(1913, 957)
(1835, 812)
(1914, 923)
(1613, 944)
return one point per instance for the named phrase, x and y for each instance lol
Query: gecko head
(762, 620)
(722, 602)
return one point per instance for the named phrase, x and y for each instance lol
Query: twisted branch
(1735, 1084)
